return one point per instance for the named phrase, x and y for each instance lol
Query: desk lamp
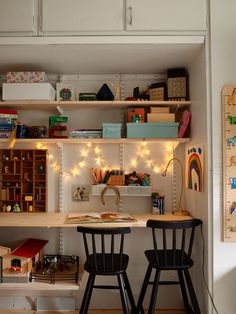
(179, 211)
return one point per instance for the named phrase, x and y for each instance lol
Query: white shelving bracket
(177, 108)
(60, 109)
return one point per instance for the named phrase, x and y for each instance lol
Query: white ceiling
(91, 58)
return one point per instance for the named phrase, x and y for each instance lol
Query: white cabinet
(169, 15)
(76, 16)
(17, 16)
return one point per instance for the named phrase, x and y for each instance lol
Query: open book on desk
(99, 217)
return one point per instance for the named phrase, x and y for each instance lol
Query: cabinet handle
(130, 15)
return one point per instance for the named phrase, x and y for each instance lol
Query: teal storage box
(111, 130)
(152, 130)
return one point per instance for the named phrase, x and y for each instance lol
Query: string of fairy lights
(143, 154)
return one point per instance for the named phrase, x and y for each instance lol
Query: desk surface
(55, 220)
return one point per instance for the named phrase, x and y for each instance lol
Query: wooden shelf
(77, 105)
(98, 140)
(124, 190)
(57, 220)
(34, 287)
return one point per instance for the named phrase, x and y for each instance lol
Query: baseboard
(89, 312)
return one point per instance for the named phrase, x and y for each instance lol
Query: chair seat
(106, 266)
(169, 263)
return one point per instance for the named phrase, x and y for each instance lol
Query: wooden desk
(57, 220)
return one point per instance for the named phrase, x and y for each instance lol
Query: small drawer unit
(111, 130)
(152, 130)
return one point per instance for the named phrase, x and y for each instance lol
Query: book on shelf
(103, 217)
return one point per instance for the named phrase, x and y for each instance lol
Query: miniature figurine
(8, 208)
(16, 208)
(6, 170)
(4, 157)
(41, 169)
(4, 208)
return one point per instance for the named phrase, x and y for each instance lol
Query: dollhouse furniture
(171, 255)
(108, 261)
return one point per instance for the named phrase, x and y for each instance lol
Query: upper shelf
(77, 105)
(99, 54)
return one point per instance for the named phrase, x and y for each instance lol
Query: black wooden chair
(172, 251)
(105, 257)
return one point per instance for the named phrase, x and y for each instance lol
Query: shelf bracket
(60, 109)
(177, 108)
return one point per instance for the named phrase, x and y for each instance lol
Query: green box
(152, 130)
(111, 130)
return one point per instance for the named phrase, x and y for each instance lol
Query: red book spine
(6, 111)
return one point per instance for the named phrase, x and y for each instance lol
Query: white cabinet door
(176, 15)
(74, 16)
(16, 16)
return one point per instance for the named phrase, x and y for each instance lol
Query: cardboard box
(136, 112)
(160, 110)
(28, 91)
(152, 130)
(26, 77)
(160, 117)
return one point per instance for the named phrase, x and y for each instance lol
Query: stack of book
(85, 133)
(7, 122)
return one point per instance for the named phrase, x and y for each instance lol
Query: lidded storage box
(28, 91)
(111, 130)
(152, 130)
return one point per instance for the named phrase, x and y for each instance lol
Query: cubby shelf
(76, 105)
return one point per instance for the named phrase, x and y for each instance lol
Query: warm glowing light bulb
(98, 160)
(133, 162)
(75, 171)
(144, 144)
(82, 164)
(39, 145)
(169, 147)
(149, 163)
(156, 169)
(97, 150)
(147, 152)
(50, 157)
(89, 144)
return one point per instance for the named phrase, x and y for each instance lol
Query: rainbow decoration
(195, 170)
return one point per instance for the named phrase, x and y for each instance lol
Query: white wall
(223, 53)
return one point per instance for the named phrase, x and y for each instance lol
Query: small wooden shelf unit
(23, 180)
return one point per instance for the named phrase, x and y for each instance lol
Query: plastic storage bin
(152, 130)
(111, 130)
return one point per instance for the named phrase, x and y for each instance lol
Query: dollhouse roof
(29, 248)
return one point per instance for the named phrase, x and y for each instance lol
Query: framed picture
(65, 92)
(80, 193)
(194, 156)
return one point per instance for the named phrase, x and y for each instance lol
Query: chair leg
(144, 289)
(122, 294)
(87, 294)
(192, 294)
(154, 292)
(183, 290)
(130, 294)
